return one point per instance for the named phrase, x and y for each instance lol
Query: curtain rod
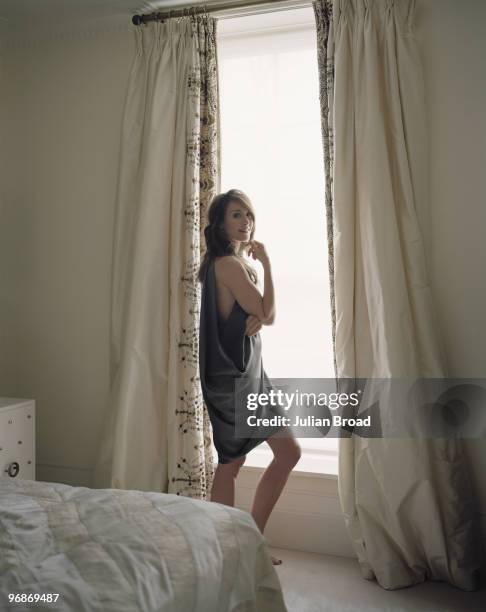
(274, 5)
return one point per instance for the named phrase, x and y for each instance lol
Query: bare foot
(275, 561)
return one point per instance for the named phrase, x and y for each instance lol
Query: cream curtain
(157, 431)
(407, 503)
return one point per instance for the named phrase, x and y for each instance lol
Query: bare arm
(234, 276)
(268, 293)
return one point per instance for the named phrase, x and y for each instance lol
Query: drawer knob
(13, 469)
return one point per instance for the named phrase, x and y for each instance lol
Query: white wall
(60, 114)
(452, 39)
(61, 111)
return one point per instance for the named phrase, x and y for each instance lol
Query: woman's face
(238, 222)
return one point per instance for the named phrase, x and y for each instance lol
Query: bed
(112, 550)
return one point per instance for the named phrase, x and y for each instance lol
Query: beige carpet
(322, 583)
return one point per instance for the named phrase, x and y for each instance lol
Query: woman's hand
(253, 325)
(257, 251)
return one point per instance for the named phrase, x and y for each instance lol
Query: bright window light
(272, 150)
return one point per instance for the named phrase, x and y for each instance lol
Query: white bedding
(112, 550)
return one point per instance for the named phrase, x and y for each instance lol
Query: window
(272, 150)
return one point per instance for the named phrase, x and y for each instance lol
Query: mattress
(128, 551)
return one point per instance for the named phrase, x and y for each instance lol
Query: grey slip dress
(226, 354)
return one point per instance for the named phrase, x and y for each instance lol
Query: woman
(232, 313)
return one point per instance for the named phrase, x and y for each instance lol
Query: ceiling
(19, 17)
(25, 21)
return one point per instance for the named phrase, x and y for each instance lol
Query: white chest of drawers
(17, 438)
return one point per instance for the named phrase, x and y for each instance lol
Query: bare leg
(223, 489)
(286, 453)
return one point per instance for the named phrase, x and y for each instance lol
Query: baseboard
(74, 476)
(307, 516)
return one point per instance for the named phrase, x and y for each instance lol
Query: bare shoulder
(229, 269)
(227, 265)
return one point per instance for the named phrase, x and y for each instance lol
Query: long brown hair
(217, 244)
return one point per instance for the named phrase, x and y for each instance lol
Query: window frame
(322, 460)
